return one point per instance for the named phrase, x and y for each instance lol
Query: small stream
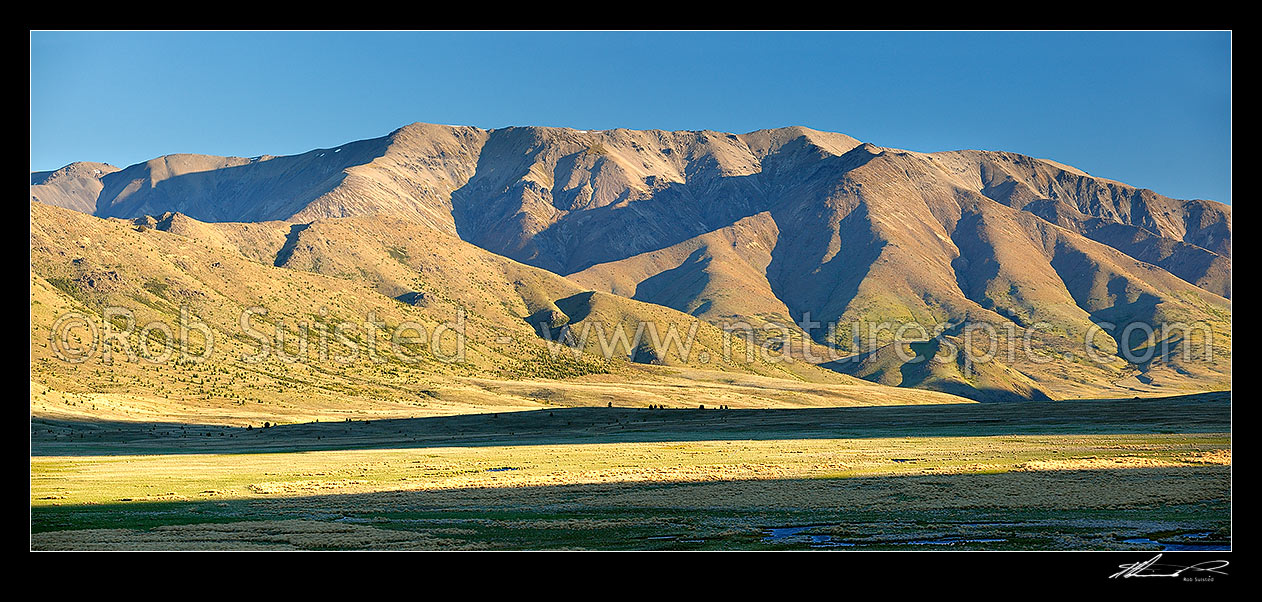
(1182, 546)
(817, 541)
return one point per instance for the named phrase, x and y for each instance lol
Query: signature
(1150, 568)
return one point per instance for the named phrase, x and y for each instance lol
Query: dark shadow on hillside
(678, 285)
(917, 370)
(823, 293)
(577, 307)
(555, 325)
(1207, 412)
(259, 190)
(492, 209)
(291, 240)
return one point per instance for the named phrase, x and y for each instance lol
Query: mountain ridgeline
(789, 227)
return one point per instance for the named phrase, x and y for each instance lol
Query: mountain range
(785, 230)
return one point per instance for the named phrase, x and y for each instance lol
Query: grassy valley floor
(1108, 474)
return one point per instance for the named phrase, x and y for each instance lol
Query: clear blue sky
(1151, 109)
